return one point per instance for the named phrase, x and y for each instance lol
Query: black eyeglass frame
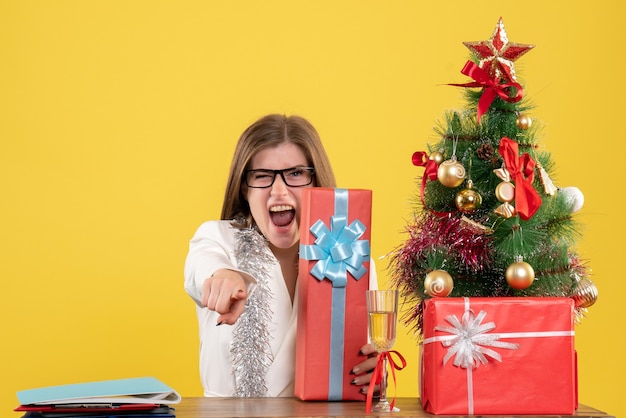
(282, 175)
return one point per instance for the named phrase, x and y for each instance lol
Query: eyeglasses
(293, 177)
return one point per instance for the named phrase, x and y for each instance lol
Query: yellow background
(118, 120)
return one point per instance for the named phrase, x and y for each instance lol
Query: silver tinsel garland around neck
(250, 347)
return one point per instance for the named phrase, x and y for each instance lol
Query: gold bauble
(523, 122)
(451, 173)
(505, 192)
(520, 275)
(436, 157)
(438, 283)
(468, 200)
(585, 293)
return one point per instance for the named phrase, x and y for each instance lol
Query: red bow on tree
(522, 172)
(420, 159)
(490, 86)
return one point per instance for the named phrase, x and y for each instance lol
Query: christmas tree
(489, 221)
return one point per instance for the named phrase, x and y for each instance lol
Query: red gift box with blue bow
(334, 273)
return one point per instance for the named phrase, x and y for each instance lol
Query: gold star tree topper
(497, 54)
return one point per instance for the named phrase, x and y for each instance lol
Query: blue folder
(144, 390)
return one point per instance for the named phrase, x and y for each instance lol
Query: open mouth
(282, 215)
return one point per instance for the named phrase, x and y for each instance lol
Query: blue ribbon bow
(338, 250)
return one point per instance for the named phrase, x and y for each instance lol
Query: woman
(242, 270)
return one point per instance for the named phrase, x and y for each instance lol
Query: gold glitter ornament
(585, 293)
(438, 283)
(523, 122)
(476, 227)
(520, 275)
(451, 173)
(468, 200)
(546, 182)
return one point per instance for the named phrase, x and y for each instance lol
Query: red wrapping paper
(536, 378)
(316, 377)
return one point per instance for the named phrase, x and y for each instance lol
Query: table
(292, 407)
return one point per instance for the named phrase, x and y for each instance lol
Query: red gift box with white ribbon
(486, 356)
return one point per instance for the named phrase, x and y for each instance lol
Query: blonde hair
(267, 132)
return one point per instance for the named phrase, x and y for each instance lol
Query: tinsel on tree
(489, 221)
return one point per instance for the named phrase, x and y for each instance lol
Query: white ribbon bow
(471, 340)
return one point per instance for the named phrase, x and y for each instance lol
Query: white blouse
(212, 249)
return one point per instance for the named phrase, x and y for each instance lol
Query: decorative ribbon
(377, 376)
(490, 86)
(470, 340)
(469, 335)
(522, 171)
(339, 251)
(420, 159)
